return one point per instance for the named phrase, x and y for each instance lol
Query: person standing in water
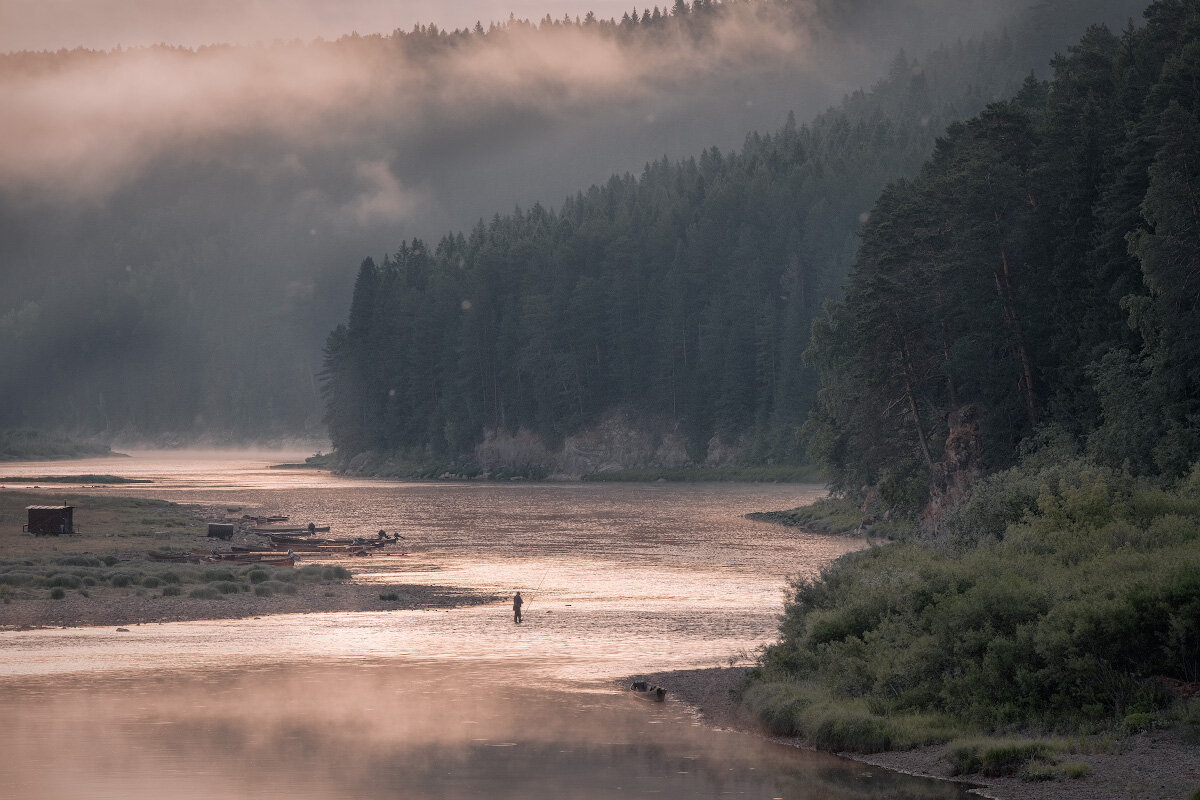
(517, 601)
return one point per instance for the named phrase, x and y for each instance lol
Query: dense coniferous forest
(1011, 386)
(1038, 274)
(683, 295)
(174, 249)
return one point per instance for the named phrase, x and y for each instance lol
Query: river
(619, 579)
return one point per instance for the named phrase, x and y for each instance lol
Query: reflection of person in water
(517, 601)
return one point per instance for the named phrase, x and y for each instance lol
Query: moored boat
(265, 559)
(179, 558)
(293, 529)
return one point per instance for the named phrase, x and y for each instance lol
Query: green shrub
(227, 587)
(58, 593)
(278, 587)
(20, 577)
(171, 590)
(1039, 771)
(999, 759)
(322, 572)
(1011, 758)
(204, 593)
(389, 597)
(777, 706)
(120, 579)
(78, 561)
(964, 759)
(1137, 722)
(169, 576)
(854, 733)
(151, 582)
(221, 574)
(65, 581)
(110, 560)
(1076, 769)
(263, 590)
(258, 575)
(88, 580)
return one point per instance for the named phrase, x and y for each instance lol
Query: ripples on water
(618, 579)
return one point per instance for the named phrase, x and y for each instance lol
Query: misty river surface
(619, 579)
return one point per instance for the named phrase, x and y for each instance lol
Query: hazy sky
(103, 24)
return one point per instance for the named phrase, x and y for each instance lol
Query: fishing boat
(331, 548)
(263, 559)
(289, 529)
(291, 540)
(648, 691)
(173, 557)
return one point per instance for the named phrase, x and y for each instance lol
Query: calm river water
(619, 579)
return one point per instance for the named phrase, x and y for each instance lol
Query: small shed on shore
(50, 520)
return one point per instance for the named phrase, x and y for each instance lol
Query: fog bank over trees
(179, 228)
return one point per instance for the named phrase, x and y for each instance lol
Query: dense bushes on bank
(1067, 619)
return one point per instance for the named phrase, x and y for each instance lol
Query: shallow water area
(392, 729)
(618, 580)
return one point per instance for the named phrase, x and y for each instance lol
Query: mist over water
(180, 227)
(385, 729)
(619, 579)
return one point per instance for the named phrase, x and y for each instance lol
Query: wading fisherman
(517, 601)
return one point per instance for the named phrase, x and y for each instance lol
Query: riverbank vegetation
(1015, 370)
(28, 444)
(1078, 610)
(24, 579)
(804, 473)
(102, 575)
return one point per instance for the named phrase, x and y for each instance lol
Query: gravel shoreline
(108, 607)
(1157, 765)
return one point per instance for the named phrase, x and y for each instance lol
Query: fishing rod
(538, 588)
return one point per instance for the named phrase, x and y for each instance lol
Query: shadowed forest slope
(179, 228)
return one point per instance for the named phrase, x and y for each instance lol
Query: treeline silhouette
(1038, 278)
(188, 293)
(683, 294)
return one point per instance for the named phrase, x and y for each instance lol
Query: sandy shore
(126, 529)
(1157, 765)
(112, 608)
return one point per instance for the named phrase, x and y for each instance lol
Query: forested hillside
(1013, 381)
(683, 296)
(1039, 274)
(179, 228)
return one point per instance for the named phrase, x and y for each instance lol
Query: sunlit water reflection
(619, 579)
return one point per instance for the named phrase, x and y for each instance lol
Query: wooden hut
(50, 520)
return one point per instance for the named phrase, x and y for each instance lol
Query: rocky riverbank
(103, 576)
(1153, 765)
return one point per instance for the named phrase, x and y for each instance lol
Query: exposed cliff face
(959, 469)
(620, 440)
